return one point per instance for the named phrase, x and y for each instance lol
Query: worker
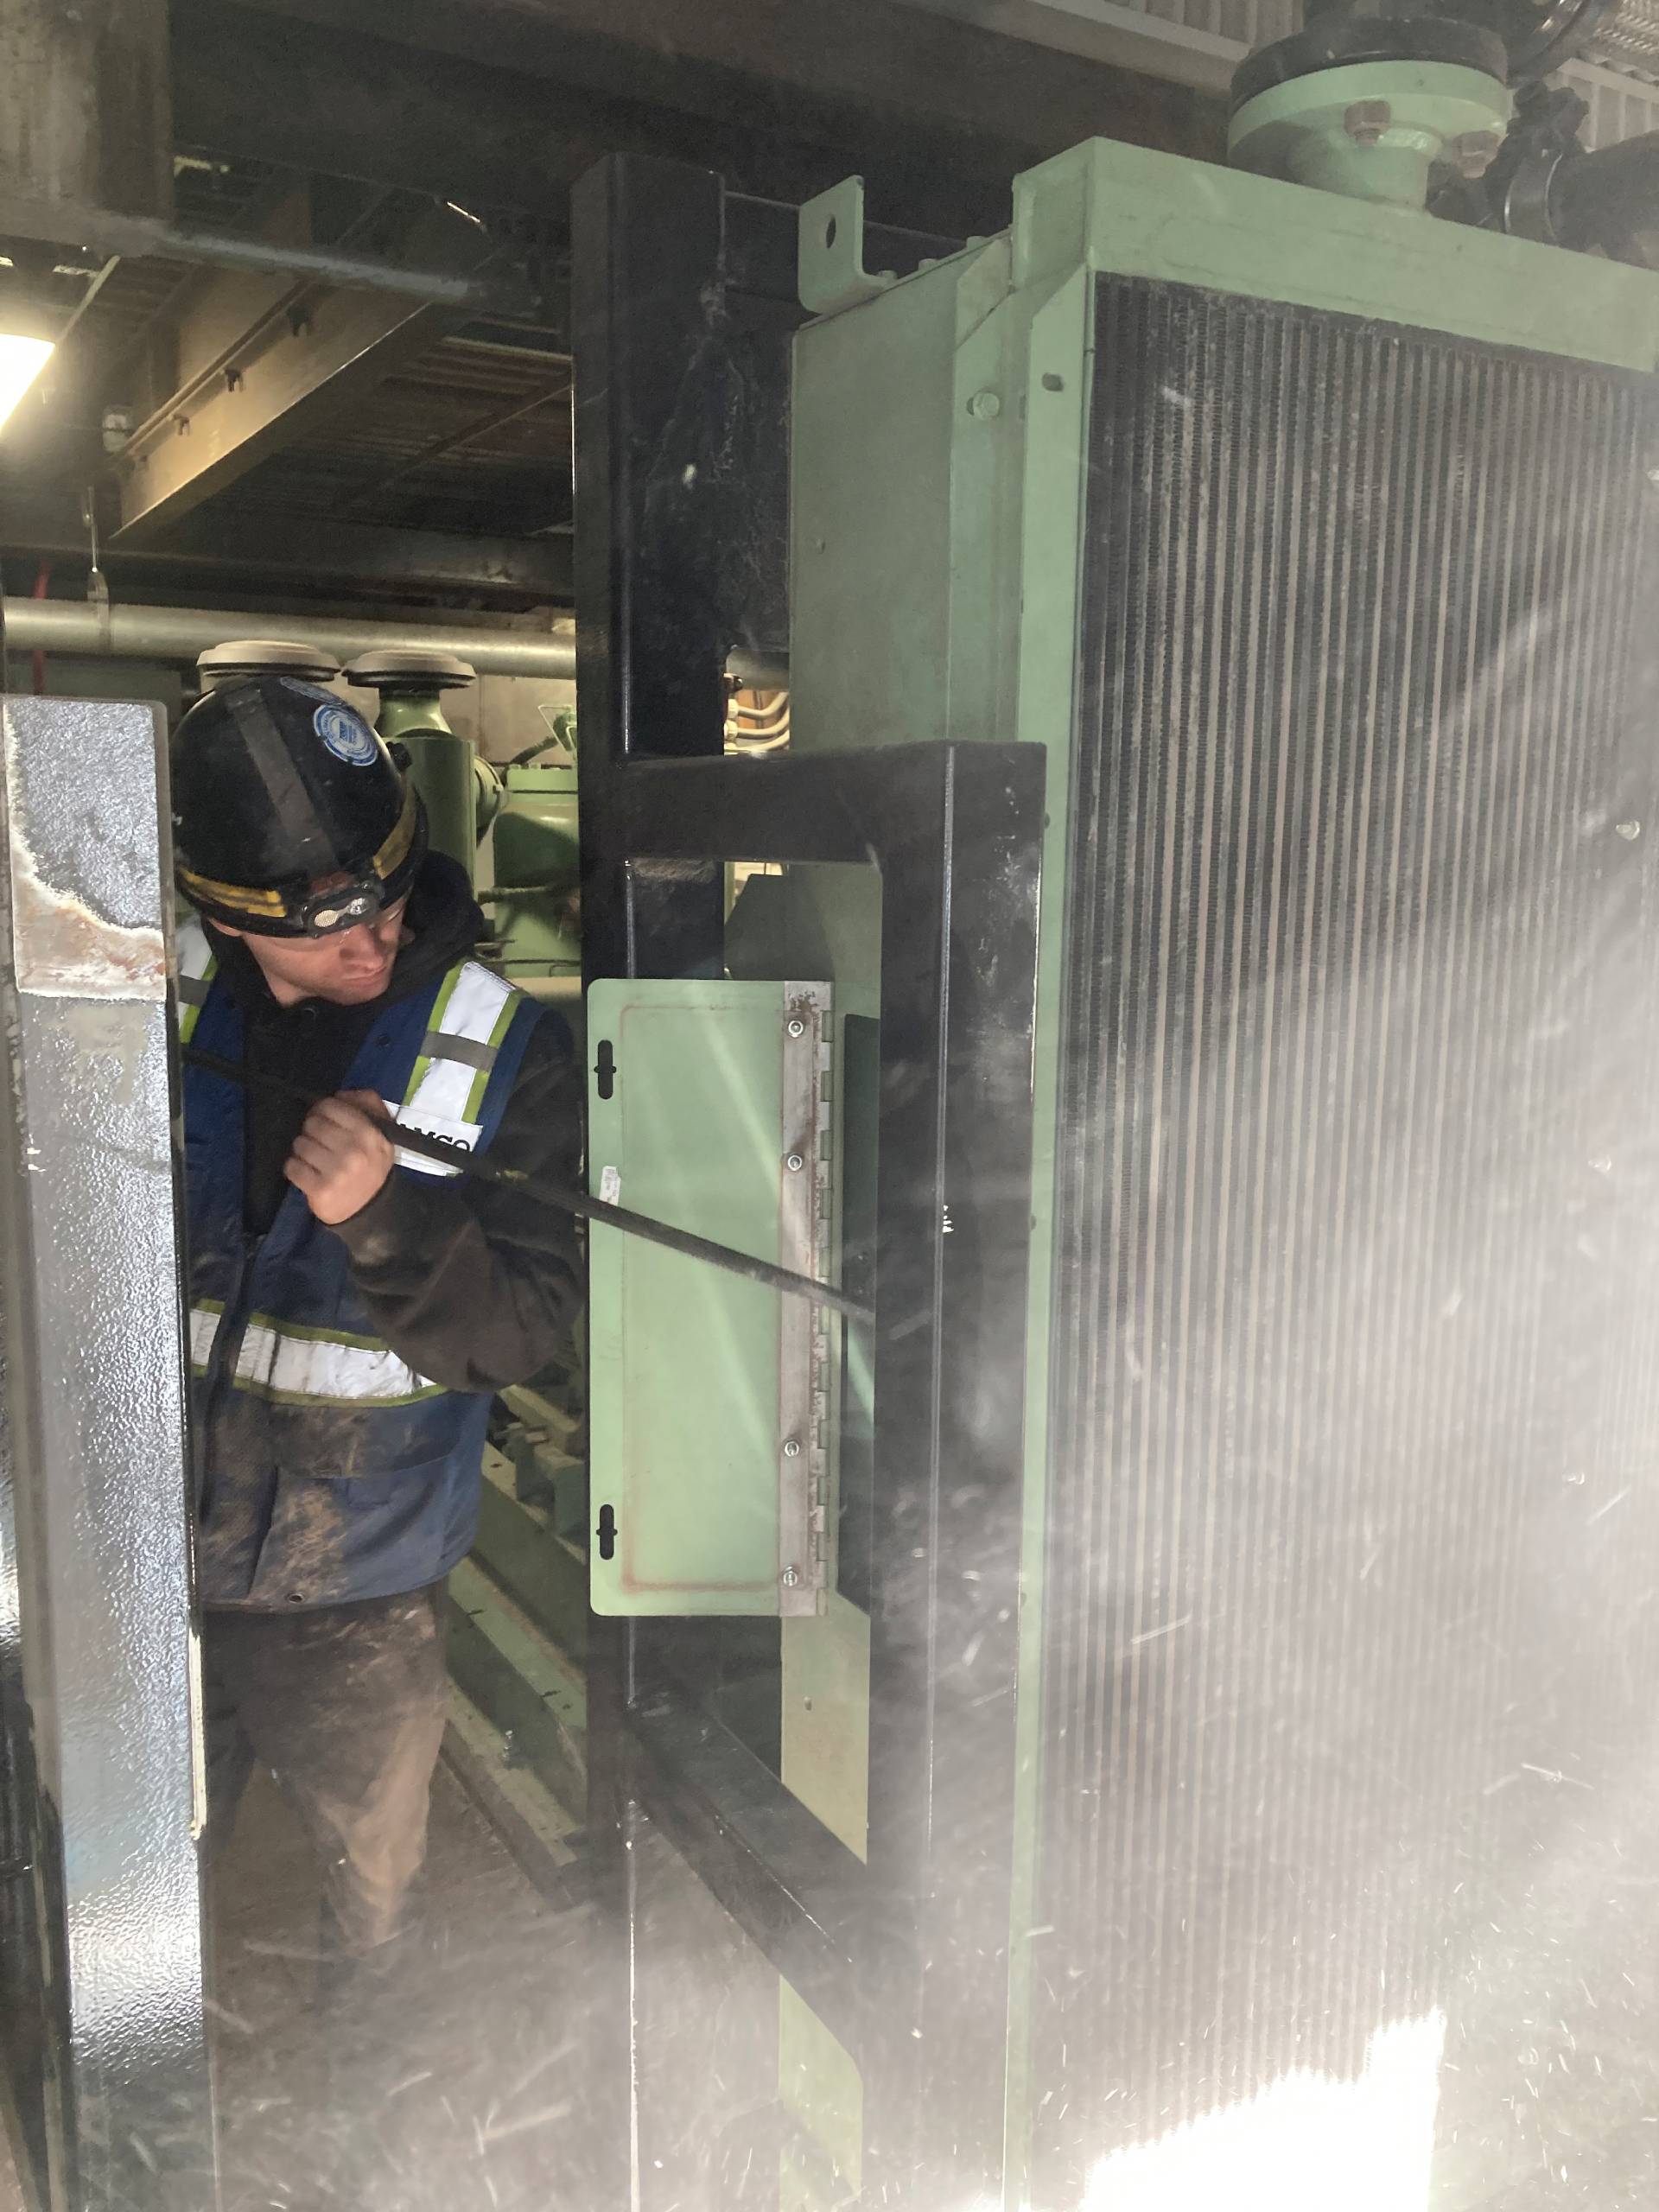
(352, 1308)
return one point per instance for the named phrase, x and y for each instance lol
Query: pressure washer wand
(568, 1198)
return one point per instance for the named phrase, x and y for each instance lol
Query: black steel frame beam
(102, 1935)
(922, 1931)
(906, 1956)
(683, 298)
(791, 1886)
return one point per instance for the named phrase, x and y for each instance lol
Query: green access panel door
(707, 1110)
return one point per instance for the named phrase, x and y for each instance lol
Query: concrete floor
(458, 2085)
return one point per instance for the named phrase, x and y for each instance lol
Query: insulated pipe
(130, 633)
(500, 293)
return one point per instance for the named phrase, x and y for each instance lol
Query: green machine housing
(1312, 538)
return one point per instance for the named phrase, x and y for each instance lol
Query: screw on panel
(1366, 121)
(1628, 829)
(794, 1163)
(790, 1578)
(985, 406)
(792, 1449)
(796, 1027)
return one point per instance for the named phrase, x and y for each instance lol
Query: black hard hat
(277, 784)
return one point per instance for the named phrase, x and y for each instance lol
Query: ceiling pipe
(138, 237)
(180, 633)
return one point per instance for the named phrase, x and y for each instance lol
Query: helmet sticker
(346, 735)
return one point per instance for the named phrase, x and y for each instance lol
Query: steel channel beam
(93, 1456)
(264, 359)
(534, 571)
(345, 345)
(46, 525)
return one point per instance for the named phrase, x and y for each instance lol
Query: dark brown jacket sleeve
(475, 1284)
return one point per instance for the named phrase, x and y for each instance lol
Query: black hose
(1609, 199)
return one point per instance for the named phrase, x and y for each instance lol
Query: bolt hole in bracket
(831, 242)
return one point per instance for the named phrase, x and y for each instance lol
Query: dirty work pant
(346, 1705)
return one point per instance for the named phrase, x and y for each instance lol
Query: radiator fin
(1350, 1595)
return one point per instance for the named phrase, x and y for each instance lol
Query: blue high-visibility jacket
(367, 1472)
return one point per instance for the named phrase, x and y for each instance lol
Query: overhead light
(22, 360)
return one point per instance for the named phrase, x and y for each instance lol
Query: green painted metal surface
(441, 768)
(685, 1362)
(1124, 208)
(546, 1446)
(459, 788)
(519, 1547)
(538, 867)
(826, 1718)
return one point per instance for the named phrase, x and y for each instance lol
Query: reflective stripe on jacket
(373, 1468)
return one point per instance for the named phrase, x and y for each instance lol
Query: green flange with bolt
(1374, 130)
